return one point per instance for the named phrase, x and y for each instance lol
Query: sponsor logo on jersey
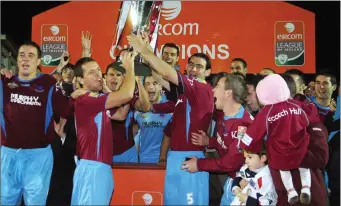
(12, 85)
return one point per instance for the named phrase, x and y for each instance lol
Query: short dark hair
(203, 56)
(291, 84)
(172, 45)
(68, 65)
(216, 78)
(240, 60)
(261, 153)
(116, 66)
(297, 72)
(39, 69)
(79, 65)
(33, 44)
(238, 86)
(119, 54)
(327, 74)
(254, 79)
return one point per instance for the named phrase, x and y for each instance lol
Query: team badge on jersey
(12, 85)
(39, 88)
(241, 132)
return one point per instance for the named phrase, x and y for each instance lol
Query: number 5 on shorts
(190, 198)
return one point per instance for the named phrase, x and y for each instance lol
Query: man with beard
(151, 124)
(238, 65)
(193, 112)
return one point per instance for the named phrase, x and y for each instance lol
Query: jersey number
(190, 198)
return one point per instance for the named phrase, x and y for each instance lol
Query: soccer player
(325, 85)
(151, 124)
(124, 149)
(93, 180)
(27, 103)
(193, 112)
(122, 122)
(232, 118)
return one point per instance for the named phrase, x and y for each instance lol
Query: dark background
(16, 21)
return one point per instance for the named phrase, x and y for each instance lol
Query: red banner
(266, 34)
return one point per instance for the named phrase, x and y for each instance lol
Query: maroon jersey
(26, 111)
(123, 130)
(285, 125)
(193, 112)
(226, 143)
(315, 159)
(323, 111)
(123, 134)
(93, 126)
(165, 107)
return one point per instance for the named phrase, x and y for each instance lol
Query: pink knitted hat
(272, 90)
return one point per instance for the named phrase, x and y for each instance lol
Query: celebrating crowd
(230, 138)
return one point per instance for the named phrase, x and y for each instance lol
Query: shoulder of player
(47, 80)
(84, 98)
(247, 117)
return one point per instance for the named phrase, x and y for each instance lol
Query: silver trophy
(142, 15)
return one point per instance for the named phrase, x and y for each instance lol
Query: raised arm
(126, 92)
(121, 113)
(142, 104)
(157, 64)
(161, 81)
(86, 44)
(64, 60)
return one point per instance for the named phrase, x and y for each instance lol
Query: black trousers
(216, 183)
(61, 184)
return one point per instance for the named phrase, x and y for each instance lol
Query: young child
(253, 184)
(284, 121)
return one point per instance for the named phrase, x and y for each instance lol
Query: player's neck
(323, 102)
(231, 109)
(29, 77)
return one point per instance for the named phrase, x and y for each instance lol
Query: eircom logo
(171, 9)
(54, 30)
(290, 27)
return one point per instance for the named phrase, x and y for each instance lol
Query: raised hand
(6, 72)
(62, 61)
(86, 44)
(139, 44)
(128, 60)
(86, 40)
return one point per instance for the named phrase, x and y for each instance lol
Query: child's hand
(237, 191)
(243, 183)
